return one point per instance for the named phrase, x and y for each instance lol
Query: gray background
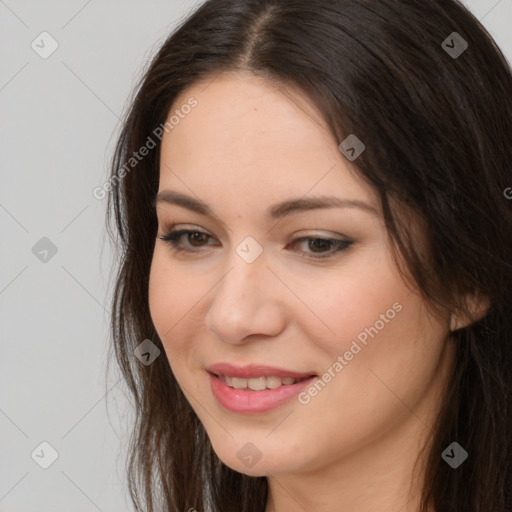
(59, 119)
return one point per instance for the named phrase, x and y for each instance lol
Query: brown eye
(323, 247)
(194, 238)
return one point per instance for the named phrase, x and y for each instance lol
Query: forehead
(246, 134)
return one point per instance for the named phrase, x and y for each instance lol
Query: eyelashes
(174, 238)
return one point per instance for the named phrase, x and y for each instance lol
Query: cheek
(366, 296)
(382, 331)
(171, 294)
(171, 297)
(386, 346)
(170, 302)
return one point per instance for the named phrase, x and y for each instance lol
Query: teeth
(258, 383)
(274, 382)
(238, 383)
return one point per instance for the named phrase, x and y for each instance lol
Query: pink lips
(254, 402)
(254, 371)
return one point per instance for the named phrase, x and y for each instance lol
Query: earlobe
(476, 307)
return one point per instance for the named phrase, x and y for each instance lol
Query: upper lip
(254, 370)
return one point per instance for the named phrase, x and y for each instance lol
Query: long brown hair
(436, 118)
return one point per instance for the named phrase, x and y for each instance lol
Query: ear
(475, 308)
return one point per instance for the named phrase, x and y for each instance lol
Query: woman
(312, 308)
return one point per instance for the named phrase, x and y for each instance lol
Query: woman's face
(265, 293)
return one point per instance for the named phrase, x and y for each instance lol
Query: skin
(246, 146)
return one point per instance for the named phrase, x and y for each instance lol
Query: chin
(258, 470)
(247, 459)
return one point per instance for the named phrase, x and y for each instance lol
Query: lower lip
(254, 402)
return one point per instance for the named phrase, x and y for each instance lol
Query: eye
(323, 247)
(192, 241)
(173, 238)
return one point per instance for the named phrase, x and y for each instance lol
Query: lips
(240, 389)
(255, 371)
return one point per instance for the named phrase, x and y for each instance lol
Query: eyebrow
(276, 211)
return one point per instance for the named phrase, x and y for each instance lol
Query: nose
(249, 300)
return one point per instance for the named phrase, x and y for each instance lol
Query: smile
(259, 383)
(238, 394)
